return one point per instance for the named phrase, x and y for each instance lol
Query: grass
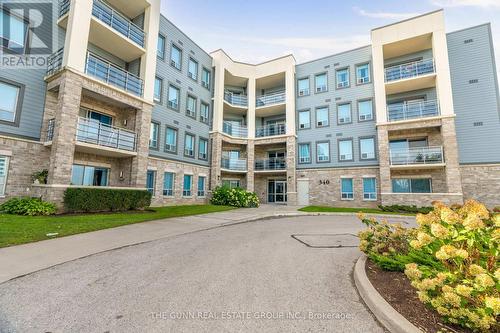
(15, 229)
(326, 209)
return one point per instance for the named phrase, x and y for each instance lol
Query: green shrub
(40, 176)
(28, 206)
(236, 197)
(104, 200)
(406, 209)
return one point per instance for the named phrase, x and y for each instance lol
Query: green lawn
(15, 230)
(325, 209)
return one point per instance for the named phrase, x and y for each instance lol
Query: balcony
(420, 157)
(270, 130)
(113, 75)
(54, 62)
(64, 7)
(238, 165)
(412, 110)
(232, 129)
(278, 97)
(410, 76)
(235, 99)
(271, 164)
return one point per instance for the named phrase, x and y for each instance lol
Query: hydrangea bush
(236, 197)
(451, 259)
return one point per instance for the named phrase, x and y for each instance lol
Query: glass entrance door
(277, 191)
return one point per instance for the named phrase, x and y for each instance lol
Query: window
(193, 69)
(231, 183)
(189, 145)
(417, 185)
(304, 153)
(204, 112)
(151, 181)
(203, 149)
(369, 189)
(4, 169)
(347, 191)
(161, 47)
(191, 107)
(322, 117)
(363, 73)
(205, 78)
(187, 186)
(173, 97)
(342, 78)
(9, 101)
(176, 57)
(344, 113)
(323, 151)
(158, 89)
(201, 186)
(13, 32)
(345, 150)
(154, 133)
(367, 148)
(304, 119)
(321, 83)
(168, 184)
(303, 87)
(365, 110)
(171, 140)
(85, 175)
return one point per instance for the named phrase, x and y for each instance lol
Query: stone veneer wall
(482, 183)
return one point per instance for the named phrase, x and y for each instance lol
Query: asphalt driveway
(251, 277)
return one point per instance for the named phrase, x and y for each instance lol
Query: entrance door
(303, 192)
(277, 191)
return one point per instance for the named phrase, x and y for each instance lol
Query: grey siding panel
(331, 98)
(169, 74)
(475, 103)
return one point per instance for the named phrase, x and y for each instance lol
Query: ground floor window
(201, 186)
(85, 175)
(151, 181)
(231, 183)
(188, 185)
(347, 189)
(168, 184)
(4, 168)
(412, 185)
(369, 189)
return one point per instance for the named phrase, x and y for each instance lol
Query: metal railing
(412, 110)
(50, 129)
(94, 132)
(270, 130)
(109, 73)
(271, 99)
(409, 70)
(270, 164)
(419, 155)
(54, 62)
(104, 13)
(63, 7)
(234, 164)
(234, 130)
(238, 100)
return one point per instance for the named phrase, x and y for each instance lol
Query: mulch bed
(396, 289)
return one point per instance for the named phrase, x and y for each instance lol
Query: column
(140, 162)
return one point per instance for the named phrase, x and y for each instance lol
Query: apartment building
(130, 101)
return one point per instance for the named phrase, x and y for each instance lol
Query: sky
(254, 31)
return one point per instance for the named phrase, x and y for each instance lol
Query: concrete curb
(392, 320)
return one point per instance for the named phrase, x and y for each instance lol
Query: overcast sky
(258, 30)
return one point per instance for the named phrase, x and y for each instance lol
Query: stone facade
(481, 182)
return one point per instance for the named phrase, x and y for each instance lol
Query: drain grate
(327, 241)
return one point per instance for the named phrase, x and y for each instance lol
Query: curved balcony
(231, 129)
(417, 157)
(412, 110)
(278, 97)
(270, 164)
(270, 130)
(235, 99)
(234, 164)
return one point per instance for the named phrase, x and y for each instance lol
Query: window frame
(310, 152)
(200, 139)
(315, 83)
(409, 179)
(327, 116)
(184, 191)
(361, 138)
(337, 71)
(369, 73)
(329, 151)
(172, 193)
(298, 119)
(181, 51)
(19, 102)
(3, 187)
(158, 124)
(347, 197)
(207, 121)
(27, 26)
(160, 100)
(191, 59)
(204, 190)
(167, 127)
(338, 113)
(370, 197)
(340, 153)
(85, 166)
(161, 36)
(204, 84)
(186, 134)
(358, 102)
(177, 109)
(308, 92)
(193, 116)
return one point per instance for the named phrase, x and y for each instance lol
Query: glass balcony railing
(412, 110)
(234, 164)
(416, 156)
(270, 164)
(409, 70)
(235, 99)
(113, 75)
(94, 132)
(270, 130)
(271, 99)
(234, 129)
(54, 62)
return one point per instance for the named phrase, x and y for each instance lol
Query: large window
(304, 153)
(345, 150)
(158, 89)
(168, 184)
(410, 185)
(187, 189)
(304, 119)
(369, 189)
(189, 145)
(206, 78)
(151, 181)
(344, 114)
(343, 78)
(13, 32)
(201, 186)
(171, 140)
(231, 183)
(154, 134)
(173, 97)
(204, 112)
(367, 148)
(323, 151)
(85, 175)
(347, 189)
(322, 117)
(161, 47)
(303, 86)
(365, 110)
(176, 57)
(191, 106)
(4, 169)
(321, 83)
(193, 69)
(9, 99)
(203, 149)
(363, 73)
